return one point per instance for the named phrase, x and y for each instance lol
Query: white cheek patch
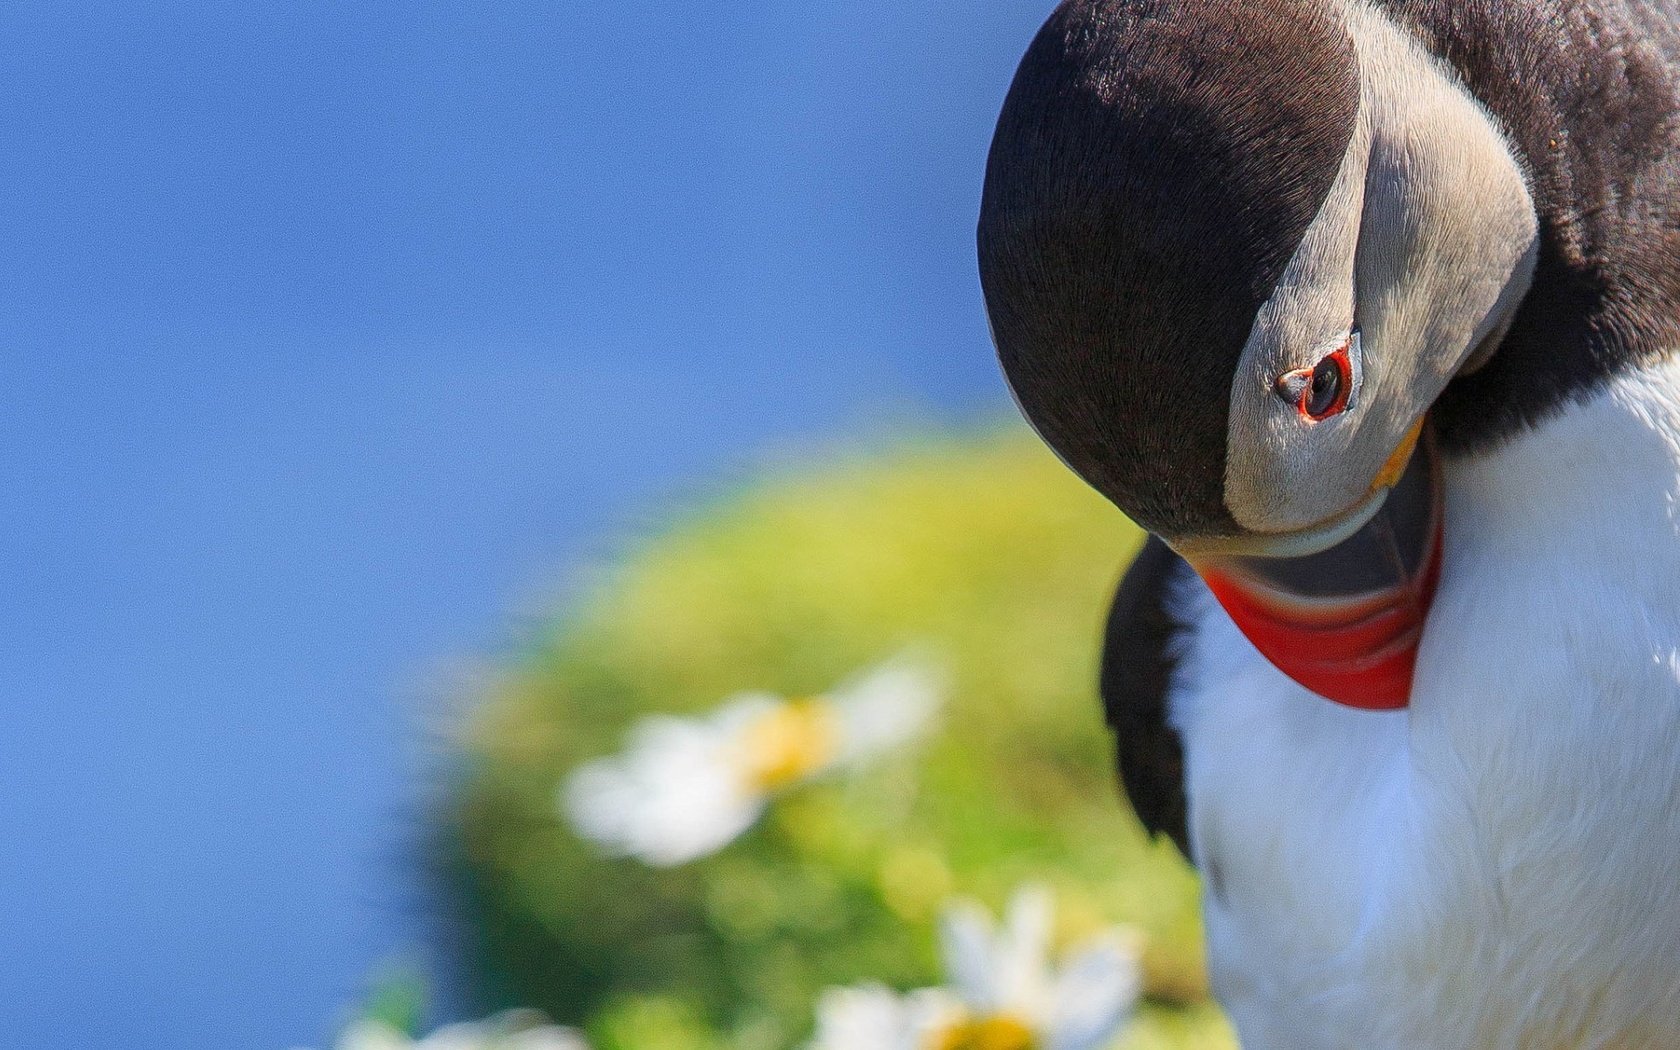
(1307, 317)
(1424, 244)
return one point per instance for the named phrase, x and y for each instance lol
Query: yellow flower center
(790, 743)
(997, 1032)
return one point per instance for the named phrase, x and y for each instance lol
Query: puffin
(1366, 312)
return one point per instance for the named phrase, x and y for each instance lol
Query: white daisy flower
(1004, 993)
(686, 787)
(513, 1030)
(879, 1018)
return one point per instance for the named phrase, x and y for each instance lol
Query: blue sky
(334, 336)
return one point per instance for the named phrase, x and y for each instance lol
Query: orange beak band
(1346, 622)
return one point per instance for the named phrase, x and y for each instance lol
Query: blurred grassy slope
(981, 548)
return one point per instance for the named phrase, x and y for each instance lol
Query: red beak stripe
(1360, 651)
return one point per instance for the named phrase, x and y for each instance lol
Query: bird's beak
(1345, 621)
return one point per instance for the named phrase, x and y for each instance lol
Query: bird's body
(1498, 865)
(1237, 256)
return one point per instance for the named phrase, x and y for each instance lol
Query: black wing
(1136, 670)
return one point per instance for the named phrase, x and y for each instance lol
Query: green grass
(981, 548)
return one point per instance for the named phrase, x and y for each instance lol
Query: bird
(1367, 312)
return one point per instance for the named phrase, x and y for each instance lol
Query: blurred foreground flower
(1003, 993)
(687, 787)
(513, 1030)
(875, 1016)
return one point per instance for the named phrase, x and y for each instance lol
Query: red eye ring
(1324, 389)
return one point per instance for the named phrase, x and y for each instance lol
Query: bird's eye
(1324, 389)
(1326, 393)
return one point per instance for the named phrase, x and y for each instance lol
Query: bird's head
(1232, 254)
